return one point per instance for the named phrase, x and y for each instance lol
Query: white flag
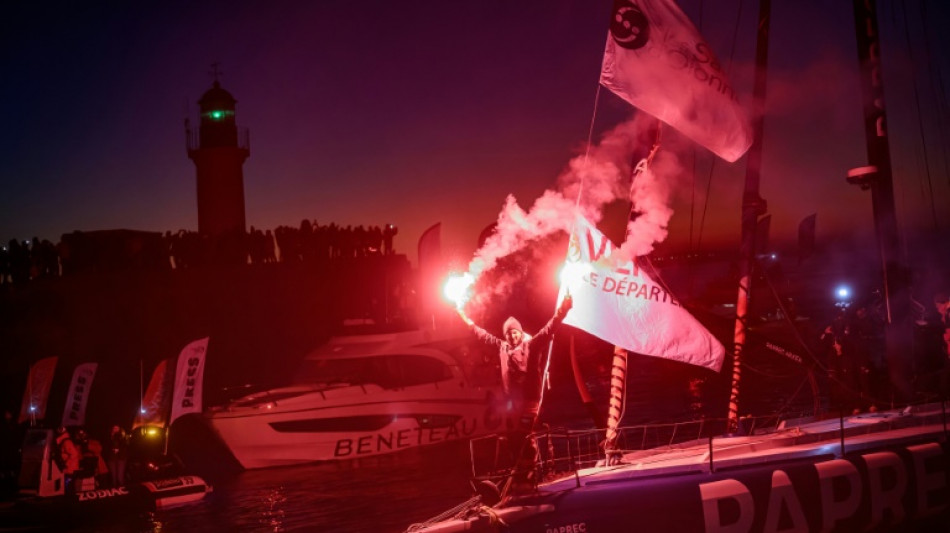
(189, 376)
(656, 60)
(74, 414)
(620, 304)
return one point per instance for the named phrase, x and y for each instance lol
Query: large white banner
(189, 376)
(657, 61)
(619, 303)
(74, 414)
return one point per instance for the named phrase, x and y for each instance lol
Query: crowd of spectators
(21, 261)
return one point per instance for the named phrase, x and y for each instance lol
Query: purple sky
(433, 111)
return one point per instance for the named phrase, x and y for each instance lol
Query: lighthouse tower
(219, 151)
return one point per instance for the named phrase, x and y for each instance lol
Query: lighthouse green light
(219, 114)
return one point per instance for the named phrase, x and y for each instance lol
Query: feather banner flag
(431, 269)
(656, 60)
(37, 390)
(189, 379)
(74, 414)
(154, 408)
(620, 304)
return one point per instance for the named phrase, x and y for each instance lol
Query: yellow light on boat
(151, 432)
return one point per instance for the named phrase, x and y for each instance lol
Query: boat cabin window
(478, 361)
(387, 371)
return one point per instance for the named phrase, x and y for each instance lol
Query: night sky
(430, 111)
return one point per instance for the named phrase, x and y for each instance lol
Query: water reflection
(383, 495)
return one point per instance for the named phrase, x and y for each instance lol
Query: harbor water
(382, 495)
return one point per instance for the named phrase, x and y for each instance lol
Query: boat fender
(176, 491)
(487, 492)
(178, 485)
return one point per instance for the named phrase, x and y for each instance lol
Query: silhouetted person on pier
(19, 262)
(5, 266)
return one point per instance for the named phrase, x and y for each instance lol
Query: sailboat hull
(893, 479)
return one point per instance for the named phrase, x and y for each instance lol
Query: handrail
(572, 450)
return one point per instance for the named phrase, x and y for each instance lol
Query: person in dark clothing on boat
(118, 455)
(942, 307)
(67, 457)
(933, 330)
(93, 463)
(841, 376)
(522, 366)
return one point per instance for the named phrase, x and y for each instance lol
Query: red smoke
(589, 182)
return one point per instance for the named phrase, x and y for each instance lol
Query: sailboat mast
(753, 207)
(878, 178)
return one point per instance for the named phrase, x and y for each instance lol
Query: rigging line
(692, 224)
(692, 199)
(936, 87)
(590, 139)
(920, 121)
(794, 395)
(712, 166)
(545, 377)
(702, 218)
(788, 319)
(771, 374)
(656, 275)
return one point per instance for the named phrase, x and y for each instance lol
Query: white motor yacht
(361, 396)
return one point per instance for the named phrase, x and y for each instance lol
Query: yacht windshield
(387, 371)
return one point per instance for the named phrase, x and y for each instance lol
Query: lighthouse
(219, 150)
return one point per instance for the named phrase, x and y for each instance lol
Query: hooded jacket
(521, 365)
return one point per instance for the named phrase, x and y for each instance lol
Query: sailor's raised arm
(558, 317)
(465, 317)
(566, 304)
(479, 332)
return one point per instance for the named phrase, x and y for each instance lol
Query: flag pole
(753, 206)
(618, 367)
(141, 386)
(545, 377)
(29, 386)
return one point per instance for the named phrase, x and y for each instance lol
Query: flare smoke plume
(589, 183)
